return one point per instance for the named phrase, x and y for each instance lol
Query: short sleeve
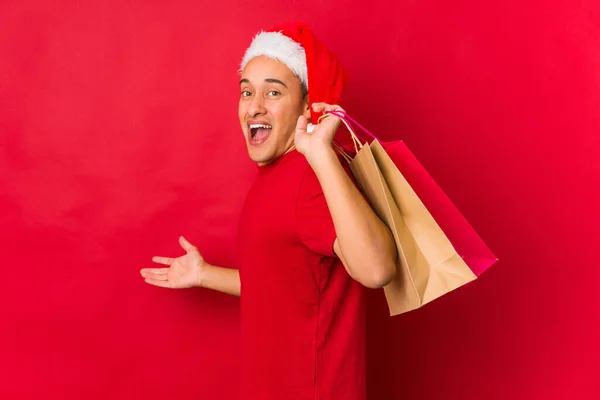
(314, 223)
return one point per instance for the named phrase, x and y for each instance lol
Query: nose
(257, 106)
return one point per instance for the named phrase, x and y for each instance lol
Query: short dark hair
(304, 89)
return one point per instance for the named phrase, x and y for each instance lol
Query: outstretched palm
(182, 272)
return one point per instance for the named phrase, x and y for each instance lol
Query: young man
(308, 240)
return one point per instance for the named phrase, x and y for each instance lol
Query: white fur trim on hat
(277, 46)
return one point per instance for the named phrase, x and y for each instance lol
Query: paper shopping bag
(428, 264)
(456, 228)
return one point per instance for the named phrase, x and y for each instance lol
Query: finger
(301, 125)
(163, 260)
(158, 283)
(318, 107)
(334, 107)
(160, 277)
(324, 107)
(158, 271)
(156, 277)
(187, 246)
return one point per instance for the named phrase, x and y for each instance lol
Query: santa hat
(306, 56)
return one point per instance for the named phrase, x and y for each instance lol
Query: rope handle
(355, 139)
(344, 116)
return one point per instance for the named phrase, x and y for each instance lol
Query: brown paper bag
(428, 266)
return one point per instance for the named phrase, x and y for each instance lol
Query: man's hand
(183, 272)
(314, 144)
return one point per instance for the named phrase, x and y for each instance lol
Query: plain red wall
(119, 132)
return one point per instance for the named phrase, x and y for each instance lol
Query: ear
(306, 108)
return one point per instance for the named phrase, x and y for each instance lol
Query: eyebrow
(269, 80)
(273, 80)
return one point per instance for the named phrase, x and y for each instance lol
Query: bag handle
(344, 116)
(342, 152)
(355, 139)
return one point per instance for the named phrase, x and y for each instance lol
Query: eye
(246, 93)
(273, 93)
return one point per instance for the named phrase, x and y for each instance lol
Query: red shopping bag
(438, 250)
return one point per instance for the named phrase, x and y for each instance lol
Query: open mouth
(259, 133)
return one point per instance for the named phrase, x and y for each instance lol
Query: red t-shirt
(303, 317)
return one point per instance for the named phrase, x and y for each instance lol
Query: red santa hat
(306, 56)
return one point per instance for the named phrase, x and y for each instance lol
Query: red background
(119, 132)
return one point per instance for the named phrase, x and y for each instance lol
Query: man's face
(271, 100)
